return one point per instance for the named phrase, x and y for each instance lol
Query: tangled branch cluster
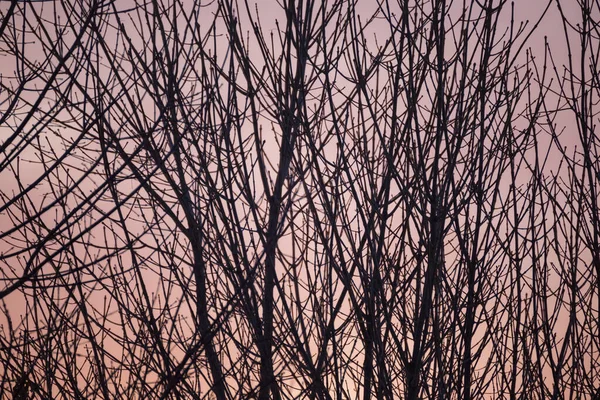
(300, 199)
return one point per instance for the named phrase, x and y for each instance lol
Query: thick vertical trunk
(204, 326)
(435, 261)
(412, 383)
(267, 377)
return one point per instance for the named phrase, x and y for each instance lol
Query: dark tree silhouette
(299, 199)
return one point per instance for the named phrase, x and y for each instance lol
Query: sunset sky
(299, 199)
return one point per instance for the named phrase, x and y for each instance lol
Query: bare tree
(299, 199)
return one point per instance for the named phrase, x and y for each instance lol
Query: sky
(158, 252)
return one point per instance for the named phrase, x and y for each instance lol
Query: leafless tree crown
(299, 199)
